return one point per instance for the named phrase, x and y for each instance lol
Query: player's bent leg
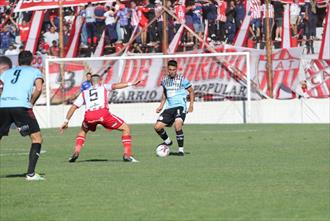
(179, 135)
(126, 139)
(159, 128)
(80, 141)
(34, 154)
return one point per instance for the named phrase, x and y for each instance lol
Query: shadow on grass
(17, 175)
(97, 161)
(177, 154)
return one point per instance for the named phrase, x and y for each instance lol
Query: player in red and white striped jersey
(97, 112)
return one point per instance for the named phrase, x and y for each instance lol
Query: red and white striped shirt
(94, 98)
(255, 8)
(222, 7)
(180, 12)
(270, 11)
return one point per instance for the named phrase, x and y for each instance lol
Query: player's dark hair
(25, 58)
(88, 73)
(5, 60)
(172, 63)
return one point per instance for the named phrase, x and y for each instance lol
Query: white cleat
(35, 177)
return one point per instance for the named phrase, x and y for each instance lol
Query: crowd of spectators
(118, 19)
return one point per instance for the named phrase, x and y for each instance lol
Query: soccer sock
(162, 133)
(80, 140)
(33, 157)
(180, 139)
(127, 143)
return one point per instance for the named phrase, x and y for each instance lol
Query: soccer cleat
(180, 153)
(170, 144)
(35, 177)
(130, 159)
(74, 157)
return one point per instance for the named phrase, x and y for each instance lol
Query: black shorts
(20, 116)
(168, 116)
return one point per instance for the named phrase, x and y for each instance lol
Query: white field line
(18, 153)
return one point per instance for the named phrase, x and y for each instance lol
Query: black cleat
(170, 144)
(180, 153)
(129, 159)
(74, 157)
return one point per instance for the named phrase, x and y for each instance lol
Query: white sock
(168, 141)
(181, 149)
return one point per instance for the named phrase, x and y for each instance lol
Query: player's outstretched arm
(71, 111)
(37, 91)
(123, 85)
(192, 99)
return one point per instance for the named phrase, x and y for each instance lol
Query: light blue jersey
(175, 91)
(18, 86)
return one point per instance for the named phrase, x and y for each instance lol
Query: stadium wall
(226, 112)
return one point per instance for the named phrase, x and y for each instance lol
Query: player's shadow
(97, 161)
(17, 175)
(177, 153)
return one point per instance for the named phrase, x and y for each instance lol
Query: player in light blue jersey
(175, 90)
(22, 87)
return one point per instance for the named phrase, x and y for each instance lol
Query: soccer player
(86, 84)
(175, 87)
(97, 112)
(22, 87)
(5, 64)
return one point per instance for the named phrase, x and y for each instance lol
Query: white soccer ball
(163, 150)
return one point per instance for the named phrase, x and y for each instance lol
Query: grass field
(232, 172)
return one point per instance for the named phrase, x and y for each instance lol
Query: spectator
(99, 19)
(210, 11)
(54, 50)
(110, 22)
(12, 50)
(230, 25)
(51, 35)
(90, 25)
(239, 13)
(54, 19)
(24, 30)
(255, 24)
(158, 11)
(221, 20)
(294, 14)
(310, 28)
(6, 39)
(83, 35)
(197, 19)
(122, 16)
(152, 29)
(278, 16)
(134, 19)
(270, 15)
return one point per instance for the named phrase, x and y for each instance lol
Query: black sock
(162, 133)
(33, 157)
(180, 138)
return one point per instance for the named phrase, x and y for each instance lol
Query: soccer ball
(163, 150)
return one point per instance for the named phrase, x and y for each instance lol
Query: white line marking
(19, 154)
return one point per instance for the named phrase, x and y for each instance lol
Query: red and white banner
(74, 38)
(318, 78)
(33, 5)
(100, 46)
(35, 28)
(325, 45)
(175, 41)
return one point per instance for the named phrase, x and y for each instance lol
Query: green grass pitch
(232, 172)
